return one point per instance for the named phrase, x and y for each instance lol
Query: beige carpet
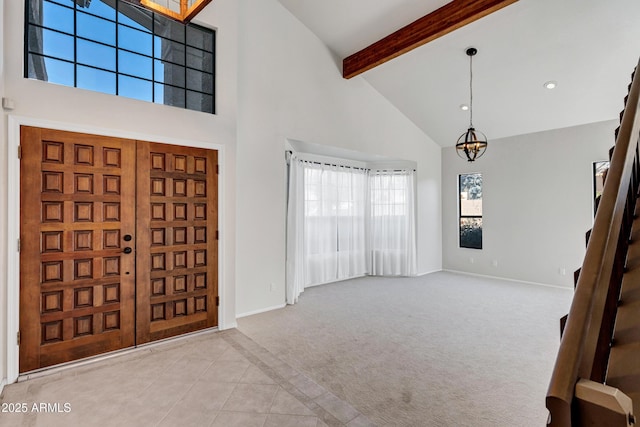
(444, 349)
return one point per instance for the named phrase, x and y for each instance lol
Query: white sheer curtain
(295, 266)
(325, 224)
(392, 242)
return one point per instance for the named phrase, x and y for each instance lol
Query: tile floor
(217, 379)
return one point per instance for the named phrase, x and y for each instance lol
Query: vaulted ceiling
(588, 46)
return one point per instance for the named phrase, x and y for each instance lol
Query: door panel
(118, 244)
(77, 286)
(177, 220)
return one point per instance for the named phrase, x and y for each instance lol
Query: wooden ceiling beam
(448, 18)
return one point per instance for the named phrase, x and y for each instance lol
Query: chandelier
(472, 144)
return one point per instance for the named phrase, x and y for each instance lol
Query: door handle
(127, 250)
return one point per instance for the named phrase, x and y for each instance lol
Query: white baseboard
(232, 325)
(508, 279)
(262, 310)
(2, 384)
(428, 272)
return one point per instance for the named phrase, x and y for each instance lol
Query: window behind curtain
(114, 47)
(334, 222)
(392, 223)
(346, 222)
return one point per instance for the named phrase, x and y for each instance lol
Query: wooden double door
(118, 244)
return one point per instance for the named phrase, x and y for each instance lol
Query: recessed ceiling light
(550, 84)
(464, 107)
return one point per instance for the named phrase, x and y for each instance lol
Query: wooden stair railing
(577, 395)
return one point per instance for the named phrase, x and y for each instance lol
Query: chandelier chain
(470, 91)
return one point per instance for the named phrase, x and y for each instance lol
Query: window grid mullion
(155, 74)
(75, 45)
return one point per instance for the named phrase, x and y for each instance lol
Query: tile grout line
(222, 406)
(322, 414)
(193, 384)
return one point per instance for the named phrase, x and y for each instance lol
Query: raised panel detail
(52, 152)
(180, 259)
(52, 271)
(111, 157)
(111, 293)
(83, 297)
(200, 303)
(158, 161)
(179, 236)
(158, 312)
(158, 287)
(200, 211)
(200, 165)
(157, 186)
(180, 308)
(51, 241)
(179, 284)
(180, 211)
(51, 301)
(111, 239)
(200, 258)
(199, 234)
(111, 184)
(200, 188)
(52, 212)
(52, 182)
(179, 188)
(111, 320)
(82, 269)
(83, 240)
(200, 280)
(111, 266)
(180, 163)
(111, 212)
(158, 212)
(158, 237)
(83, 155)
(52, 332)
(158, 262)
(83, 211)
(82, 326)
(83, 183)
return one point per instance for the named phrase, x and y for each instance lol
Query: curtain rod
(289, 153)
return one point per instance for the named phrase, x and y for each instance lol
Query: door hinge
(18, 338)
(18, 245)
(217, 235)
(19, 151)
(217, 301)
(217, 169)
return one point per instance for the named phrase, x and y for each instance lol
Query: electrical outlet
(494, 262)
(270, 287)
(472, 260)
(562, 271)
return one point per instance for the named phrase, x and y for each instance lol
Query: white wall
(291, 87)
(77, 109)
(537, 203)
(3, 219)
